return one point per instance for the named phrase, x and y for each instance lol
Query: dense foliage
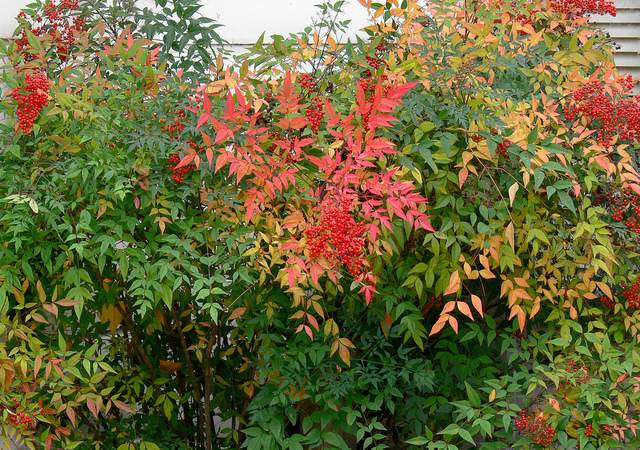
(425, 238)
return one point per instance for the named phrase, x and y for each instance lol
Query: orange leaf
(38, 318)
(477, 304)
(448, 307)
(439, 325)
(167, 366)
(51, 308)
(67, 302)
(238, 312)
(464, 309)
(453, 322)
(123, 406)
(71, 414)
(604, 288)
(36, 366)
(344, 355)
(522, 318)
(42, 296)
(347, 343)
(510, 234)
(454, 283)
(512, 192)
(312, 320)
(462, 177)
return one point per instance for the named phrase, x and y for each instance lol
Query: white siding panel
(627, 4)
(628, 16)
(627, 60)
(628, 45)
(621, 30)
(244, 20)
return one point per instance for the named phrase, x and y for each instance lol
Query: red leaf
(222, 160)
(206, 103)
(312, 320)
(400, 91)
(223, 133)
(209, 154)
(188, 158)
(206, 139)
(92, 407)
(307, 330)
(67, 302)
(202, 120)
(316, 271)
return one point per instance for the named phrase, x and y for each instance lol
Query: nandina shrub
(422, 239)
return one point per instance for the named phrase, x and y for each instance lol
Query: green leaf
(464, 434)
(419, 440)
(451, 429)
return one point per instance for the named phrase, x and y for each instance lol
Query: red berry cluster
(175, 128)
(31, 98)
(307, 82)
(315, 111)
(367, 81)
(178, 173)
(59, 23)
(625, 207)
(582, 370)
(377, 60)
(632, 294)
(501, 151)
(536, 427)
(22, 420)
(609, 110)
(18, 419)
(579, 8)
(338, 238)
(606, 302)
(588, 431)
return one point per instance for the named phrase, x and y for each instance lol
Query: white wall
(243, 20)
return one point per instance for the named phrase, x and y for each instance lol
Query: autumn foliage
(424, 238)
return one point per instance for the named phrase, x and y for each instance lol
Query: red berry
(307, 82)
(535, 427)
(609, 110)
(338, 238)
(579, 8)
(588, 431)
(315, 113)
(632, 295)
(31, 98)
